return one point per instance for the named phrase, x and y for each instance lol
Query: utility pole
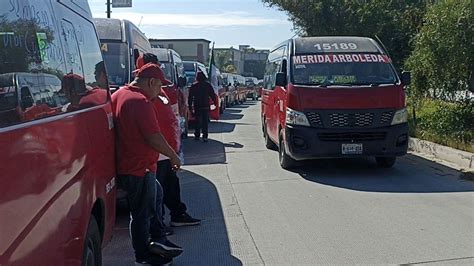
(108, 9)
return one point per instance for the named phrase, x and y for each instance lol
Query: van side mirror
(406, 78)
(281, 79)
(181, 82)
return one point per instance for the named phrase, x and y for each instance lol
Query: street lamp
(108, 9)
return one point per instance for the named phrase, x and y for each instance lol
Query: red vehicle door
(57, 196)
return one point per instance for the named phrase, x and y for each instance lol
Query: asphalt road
(325, 212)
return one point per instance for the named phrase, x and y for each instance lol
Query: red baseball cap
(151, 70)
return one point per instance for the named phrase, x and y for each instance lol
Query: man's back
(134, 123)
(200, 93)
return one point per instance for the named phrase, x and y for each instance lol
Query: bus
(57, 192)
(334, 97)
(121, 44)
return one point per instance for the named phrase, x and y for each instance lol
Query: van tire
(286, 162)
(268, 141)
(92, 255)
(385, 162)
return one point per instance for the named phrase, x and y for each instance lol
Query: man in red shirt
(139, 143)
(168, 178)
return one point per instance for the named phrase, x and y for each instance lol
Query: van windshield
(342, 69)
(168, 69)
(189, 67)
(116, 60)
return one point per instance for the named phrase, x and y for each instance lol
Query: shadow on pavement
(197, 152)
(245, 105)
(233, 145)
(409, 175)
(206, 244)
(224, 127)
(232, 111)
(221, 127)
(231, 116)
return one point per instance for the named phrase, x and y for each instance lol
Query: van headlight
(296, 118)
(400, 117)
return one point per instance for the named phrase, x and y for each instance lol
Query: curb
(463, 159)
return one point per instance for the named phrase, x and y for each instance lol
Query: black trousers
(202, 123)
(171, 190)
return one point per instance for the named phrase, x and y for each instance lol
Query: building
(246, 60)
(189, 49)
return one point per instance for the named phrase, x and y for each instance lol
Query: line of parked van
(122, 43)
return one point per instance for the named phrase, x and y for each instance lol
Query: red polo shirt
(167, 121)
(135, 119)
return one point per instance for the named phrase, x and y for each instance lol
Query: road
(325, 212)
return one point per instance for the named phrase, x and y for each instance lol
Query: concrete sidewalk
(432, 151)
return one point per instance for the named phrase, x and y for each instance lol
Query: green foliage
(433, 38)
(445, 123)
(443, 54)
(394, 22)
(230, 69)
(223, 58)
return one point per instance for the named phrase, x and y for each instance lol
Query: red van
(334, 97)
(57, 195)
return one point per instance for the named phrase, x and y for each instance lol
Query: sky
(225, 22)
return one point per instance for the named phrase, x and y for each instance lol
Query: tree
(230, 69)
(394, 22)
(443, 55)
(223, 58)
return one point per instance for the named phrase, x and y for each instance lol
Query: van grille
(371, 118)
(351, 119)
(314, 118)
(386, 117)
(352, 136)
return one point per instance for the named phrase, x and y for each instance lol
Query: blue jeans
(145, 198)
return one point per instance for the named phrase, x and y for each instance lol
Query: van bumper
(304, 143)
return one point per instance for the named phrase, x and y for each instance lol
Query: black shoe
(184, 220)
(196, 138)
(205, 140)
(165, 248)
(154, 260)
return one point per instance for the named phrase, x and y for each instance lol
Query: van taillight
(293, 100)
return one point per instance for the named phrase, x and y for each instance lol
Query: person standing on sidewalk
(198, 101)
(168, 178)
(139, 143)
(165, 174)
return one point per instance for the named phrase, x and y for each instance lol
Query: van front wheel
(92, 255)
(268, 141)
(286, 162)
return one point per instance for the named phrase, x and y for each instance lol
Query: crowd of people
(148, 143)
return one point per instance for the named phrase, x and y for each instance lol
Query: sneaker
(165, 248)
(154, 260)
(184, 220)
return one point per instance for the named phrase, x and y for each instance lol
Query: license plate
(352, 148)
